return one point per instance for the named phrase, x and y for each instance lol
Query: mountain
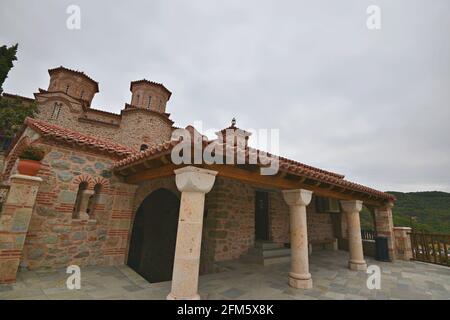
(431, 210)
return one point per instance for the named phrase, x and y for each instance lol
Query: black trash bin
(381, 248)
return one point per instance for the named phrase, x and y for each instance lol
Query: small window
(76, 209)
(82, 94)
(149, 101)
(144, 147)
(93, 201)
(67, 89)
(137, 100)
(327, 205)
(56, 110)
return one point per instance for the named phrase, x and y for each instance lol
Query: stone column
(14, 220)
(299, 276)
(193, 183)
(403, 243)
(355, 247)
(385, 226)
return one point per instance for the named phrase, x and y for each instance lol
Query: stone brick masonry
(14, 223)
(54, 238)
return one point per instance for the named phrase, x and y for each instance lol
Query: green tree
(7, 56)
(13, 111)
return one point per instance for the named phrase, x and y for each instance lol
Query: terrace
(332, 280)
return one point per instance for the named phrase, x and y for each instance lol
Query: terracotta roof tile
(80, 73)
(61, 134)
(287, 165)
(152, 83)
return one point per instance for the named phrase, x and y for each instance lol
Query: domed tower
(73, 83)
(149, 95)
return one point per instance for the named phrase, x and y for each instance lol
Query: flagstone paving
(332, 280)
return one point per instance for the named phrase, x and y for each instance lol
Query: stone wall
(131, 128)
(229, 218)
(143, 126)
(403, 244)
(229, 230)
(54, 238)
(14, 222)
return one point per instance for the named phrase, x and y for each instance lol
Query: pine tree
(7, 56)
(13, 111)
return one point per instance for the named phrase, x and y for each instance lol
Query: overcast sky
(371, 104)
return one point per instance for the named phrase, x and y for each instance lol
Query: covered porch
(296, 184)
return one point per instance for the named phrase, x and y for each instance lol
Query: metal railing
(368, 234)
(429, 247)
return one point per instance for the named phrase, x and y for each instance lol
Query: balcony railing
(368, 234)
(433, 248)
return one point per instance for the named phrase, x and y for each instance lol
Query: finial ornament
(233, 122)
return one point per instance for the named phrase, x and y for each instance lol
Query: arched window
(67, 89)
(144, 147)
(79, 201)
(82, 94)
(93, 201)
(56, 110)
(137, 100)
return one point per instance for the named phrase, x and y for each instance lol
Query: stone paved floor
(332, 280)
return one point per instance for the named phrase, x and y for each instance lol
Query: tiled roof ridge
(60, 133)
(150, 82)
(81, 73)
(285, 165)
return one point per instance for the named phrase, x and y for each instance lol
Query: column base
(357, 265)
(170, 296)
(300, 281)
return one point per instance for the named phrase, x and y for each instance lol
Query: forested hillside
(430, 211)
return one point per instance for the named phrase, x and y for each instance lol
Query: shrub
(32, 153)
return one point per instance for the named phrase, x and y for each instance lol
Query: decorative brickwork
(54, 238)
(14, 223)
(403, 243)
(385, 227)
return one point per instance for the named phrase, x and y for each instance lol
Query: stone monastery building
(108, 193)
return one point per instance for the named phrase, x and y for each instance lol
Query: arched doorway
(153, 239)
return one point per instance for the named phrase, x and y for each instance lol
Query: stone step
(275, 260)
(268, 245)
(270, 252)
(267, 253)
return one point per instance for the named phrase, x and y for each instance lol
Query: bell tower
(73, 83)
(149, 95)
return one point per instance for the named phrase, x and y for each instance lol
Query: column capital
(351, 205)
(193, 179)
(297, 197)
(25, 177)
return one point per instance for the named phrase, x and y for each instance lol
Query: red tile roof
(286, 165)
(151, 83)
(76, 72)
(61, 134)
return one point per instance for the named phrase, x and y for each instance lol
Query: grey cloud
(373, 105)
